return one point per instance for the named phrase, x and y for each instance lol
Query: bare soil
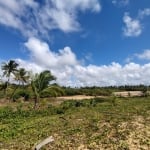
(128, 93)
(76, 97)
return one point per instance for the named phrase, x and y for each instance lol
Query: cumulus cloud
(41, 54)
(70, 72)
(33, 18)
(133, 27)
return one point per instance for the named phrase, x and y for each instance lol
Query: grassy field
(94, 124)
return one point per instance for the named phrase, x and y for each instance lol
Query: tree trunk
(37, 98)
(11, 97)
(36, 102)
(6, 88)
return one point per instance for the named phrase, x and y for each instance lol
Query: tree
(9, 68)
(22, 77)
(39, 83)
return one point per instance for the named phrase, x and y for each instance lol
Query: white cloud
(145, 55)
(77, 4)
(120, 2)
(41, 54)
(70, 72)
(63, 14)
(9, 19)
(133, 27)
(144, 13)
(33, 18)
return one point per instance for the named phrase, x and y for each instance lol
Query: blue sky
(83, 43)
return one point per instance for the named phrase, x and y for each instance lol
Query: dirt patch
(77, 97)
(139, 138)
(128, 93)
(4, 102)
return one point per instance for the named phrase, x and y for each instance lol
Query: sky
(82, 42)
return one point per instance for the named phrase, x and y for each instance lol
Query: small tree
(39, 83)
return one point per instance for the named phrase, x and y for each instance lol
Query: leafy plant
(21, 94)
(39, 83)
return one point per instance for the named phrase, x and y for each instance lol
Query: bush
(21, 94)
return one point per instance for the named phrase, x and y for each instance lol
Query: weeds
(94, 124)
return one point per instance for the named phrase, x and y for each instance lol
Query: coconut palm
(9, 68)
(39, 83)
(22, 77)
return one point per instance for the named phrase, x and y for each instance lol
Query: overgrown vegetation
(93, 124)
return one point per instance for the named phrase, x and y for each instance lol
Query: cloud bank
(70, 71)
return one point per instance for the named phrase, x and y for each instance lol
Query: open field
(94, 124)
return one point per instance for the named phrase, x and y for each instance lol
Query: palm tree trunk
(36, 101)
(11, 97)
(6, 88)
(37, 95)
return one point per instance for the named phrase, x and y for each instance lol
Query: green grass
(117, 124)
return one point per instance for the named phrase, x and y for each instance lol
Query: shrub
(20, 94)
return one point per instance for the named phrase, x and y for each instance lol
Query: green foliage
(39, 83)
(71, 91)
(90, 91)
(95, 124)
(42, 80)
(52, 91)
(22, 76)
(21, 93)
(9, 68)
(101, 126)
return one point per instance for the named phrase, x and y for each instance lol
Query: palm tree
(22, 77)
(39, 83)
(9, 68)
